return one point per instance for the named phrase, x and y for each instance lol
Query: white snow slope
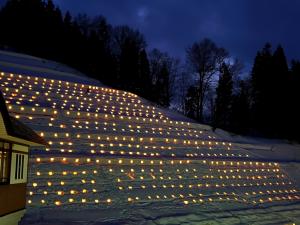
(115, 158)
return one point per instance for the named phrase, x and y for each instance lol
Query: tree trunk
(200, 98)
(201, 108)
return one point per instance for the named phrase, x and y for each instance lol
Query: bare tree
(205, 59)
(236, 67)
(124, 35)
(180, 88)
(163, 70)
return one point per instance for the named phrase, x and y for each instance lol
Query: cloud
(142, 13)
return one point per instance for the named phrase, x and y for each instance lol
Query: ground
(116, 158)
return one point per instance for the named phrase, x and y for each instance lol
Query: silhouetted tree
(117, 56)
(144, 81)
(181, 85)
(128, 44)
(224, 98)
(98, 56)
(279, 94)
(269, 92)
(293, 110)
(191, 102)
(240, 112)
(261, 78)
(162, 69)
(114, 55)
(205, 59)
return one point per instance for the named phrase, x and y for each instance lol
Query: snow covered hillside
(114, 158)
(12, 62)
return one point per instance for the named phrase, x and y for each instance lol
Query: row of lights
(90, 115)
(82, 102)
(111, 161)
(191, 199)
(107, 116)
(52, 81)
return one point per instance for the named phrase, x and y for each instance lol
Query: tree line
(207, 87)
(262, 104)
(115, 55)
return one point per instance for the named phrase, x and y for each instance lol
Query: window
(5, 149)
(19, 169)
(19, 162)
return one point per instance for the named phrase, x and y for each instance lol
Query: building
(15, 140)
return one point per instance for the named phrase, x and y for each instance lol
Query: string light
(101, 134)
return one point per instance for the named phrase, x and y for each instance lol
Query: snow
(18, 63)
(122, 160)
(277, 150)
(272, 149)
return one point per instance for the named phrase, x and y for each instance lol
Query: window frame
(8, 164)
(19, 166)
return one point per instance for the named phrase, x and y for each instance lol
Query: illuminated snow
(113, 156)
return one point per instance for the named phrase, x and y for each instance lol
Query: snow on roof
(16, 129)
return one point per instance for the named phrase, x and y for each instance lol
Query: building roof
(17, 129)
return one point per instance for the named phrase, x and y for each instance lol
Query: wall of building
(12, 198)
(2, 127)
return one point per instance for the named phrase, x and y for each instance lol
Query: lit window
(5, 148)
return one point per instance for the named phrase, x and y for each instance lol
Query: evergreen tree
(129, 61)
(128, 44)
(269, 92)
(261, 77)
(293, 110)
(240, 113)
(101, 57)
(224, 98)
(144, 82)
(53, 30)
(279, 94)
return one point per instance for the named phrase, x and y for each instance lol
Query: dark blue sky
(241, 26)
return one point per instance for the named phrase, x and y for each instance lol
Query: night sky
(240, 26)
